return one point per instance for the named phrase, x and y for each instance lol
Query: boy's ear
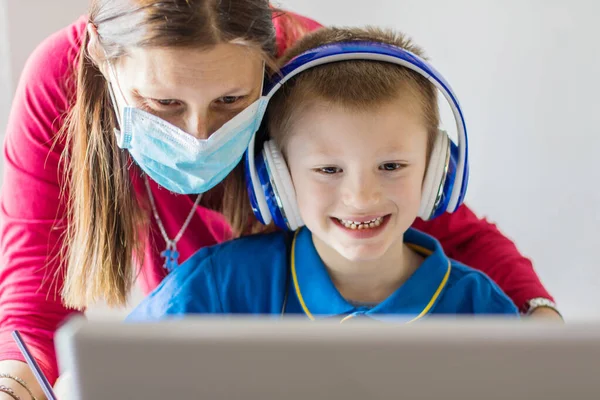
(94, 49)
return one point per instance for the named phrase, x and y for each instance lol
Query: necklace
(170, 253)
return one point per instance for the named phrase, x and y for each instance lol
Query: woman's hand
(547, 313)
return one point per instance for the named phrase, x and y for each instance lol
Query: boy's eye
(390, 166)
(328, 170)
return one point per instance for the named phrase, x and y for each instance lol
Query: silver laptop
(299, 360)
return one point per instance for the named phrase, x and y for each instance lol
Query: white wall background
(5, 73)
(526, 75)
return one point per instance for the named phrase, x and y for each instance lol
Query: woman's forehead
(229, 64)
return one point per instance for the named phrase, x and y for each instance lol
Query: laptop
(467, 359)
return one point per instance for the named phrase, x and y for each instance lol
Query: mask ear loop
(262, 82)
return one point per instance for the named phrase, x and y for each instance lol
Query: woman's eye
(390, 166)
(329, 170)
(230, 99)
(166, 102)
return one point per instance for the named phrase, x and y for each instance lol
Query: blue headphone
(269, 183)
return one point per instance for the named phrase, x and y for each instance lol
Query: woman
(77, 212)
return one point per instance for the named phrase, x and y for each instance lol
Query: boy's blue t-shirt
(255, 275)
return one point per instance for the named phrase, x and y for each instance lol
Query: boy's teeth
(361, 225)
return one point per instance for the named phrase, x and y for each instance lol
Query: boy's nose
(362, 194)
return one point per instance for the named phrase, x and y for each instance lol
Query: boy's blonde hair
(360, 85)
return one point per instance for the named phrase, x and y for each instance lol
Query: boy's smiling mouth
(361, 224)
(370, 225)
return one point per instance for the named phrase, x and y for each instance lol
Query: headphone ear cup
(256, 193)
(435, 176)
(283, 188)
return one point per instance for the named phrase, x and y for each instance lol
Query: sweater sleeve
(479, 244)
(32, 208)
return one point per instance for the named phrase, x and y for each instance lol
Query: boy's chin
(362, 253)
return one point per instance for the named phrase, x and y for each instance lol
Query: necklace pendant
(171, 256)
